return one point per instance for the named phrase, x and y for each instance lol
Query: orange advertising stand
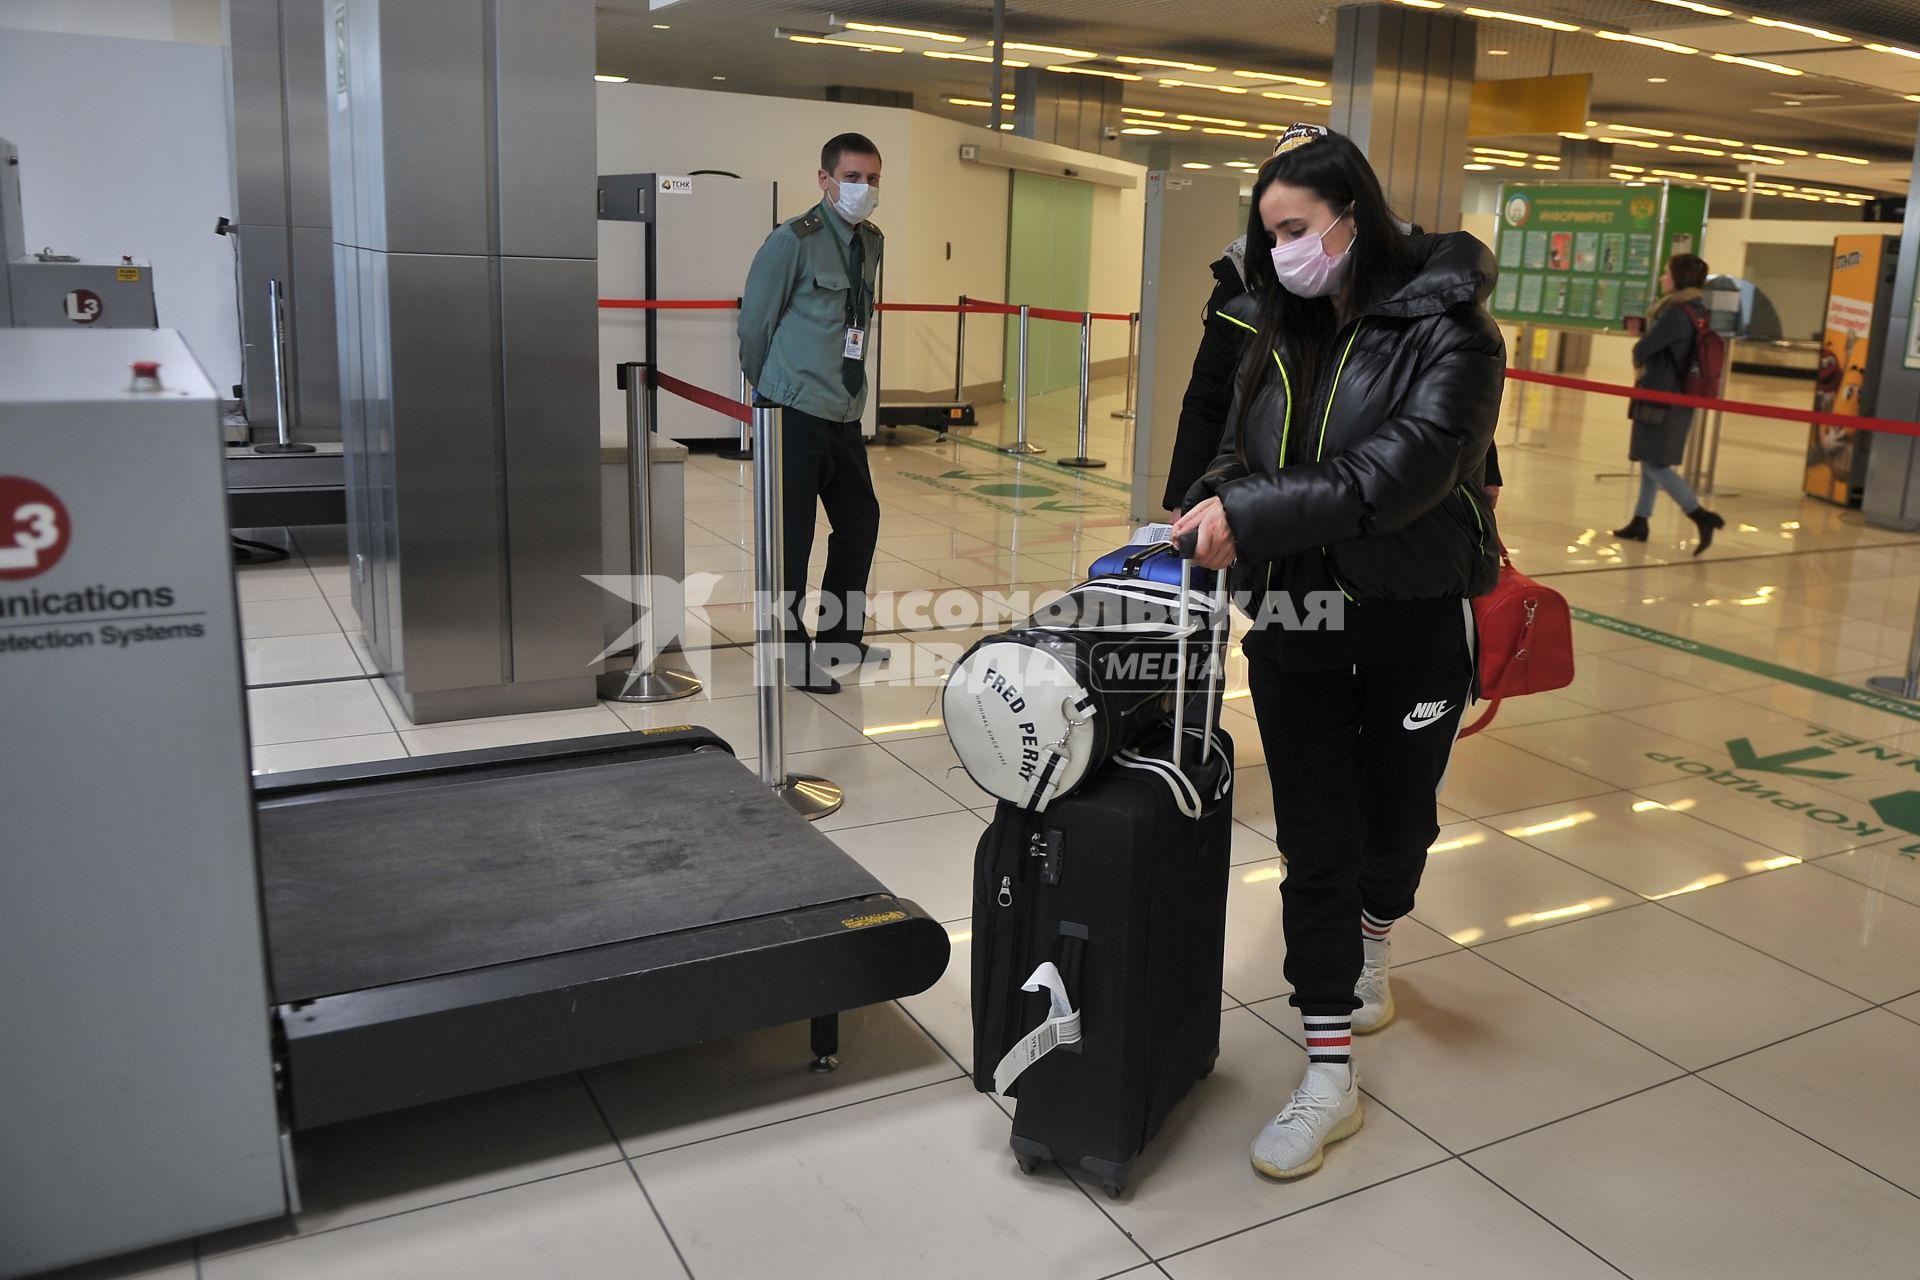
(1859, 296)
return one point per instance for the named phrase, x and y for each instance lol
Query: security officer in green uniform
(804, 321)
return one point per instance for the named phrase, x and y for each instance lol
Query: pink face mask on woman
(1306, 269)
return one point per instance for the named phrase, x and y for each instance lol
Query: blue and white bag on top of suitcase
(1034, 711)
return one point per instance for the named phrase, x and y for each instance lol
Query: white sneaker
(1325, 1108)
(1375, 995)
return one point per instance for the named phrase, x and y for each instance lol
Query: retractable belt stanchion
(282, 418)
(812, 798)
(1020, 444)
(1904, 686)
(1133, 365)
(1086, 387)
(645, 680)
(960, 351)
(743, 452)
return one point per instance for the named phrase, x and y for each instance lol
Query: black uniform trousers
(825, 464)
(1356, 757)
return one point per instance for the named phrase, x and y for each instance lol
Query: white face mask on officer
(856, 201)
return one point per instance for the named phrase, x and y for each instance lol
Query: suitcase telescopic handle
(1185, 546)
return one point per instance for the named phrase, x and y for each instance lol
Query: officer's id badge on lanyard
(856, 348)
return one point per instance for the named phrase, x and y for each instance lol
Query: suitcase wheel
(1028, 1164)
(1115, 1187)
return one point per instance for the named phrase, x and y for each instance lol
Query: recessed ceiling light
(1095, 71)
(719, 77)
(1501, 15)
(971, 57)
(611, 79)
(662, 26)
(1792, 104)
(864, 46)
(1758, 64)
(1277, 78)
(1893, 49)
(1194, 164)
(1139, 131)
(1054, 49)
(1816, 32)
(1194, 84)
(1162, 62)
(1656, 79)
(1667, 45)
(1478, 168)
(1496, 53)
(1709, 10)
(910, 32)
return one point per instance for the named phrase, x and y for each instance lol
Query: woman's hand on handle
(1209, 520)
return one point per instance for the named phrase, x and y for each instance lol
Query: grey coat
(1662, 356)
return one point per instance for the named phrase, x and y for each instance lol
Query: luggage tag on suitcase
(1061, 1027)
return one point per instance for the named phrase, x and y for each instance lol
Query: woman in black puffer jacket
(1348, 487)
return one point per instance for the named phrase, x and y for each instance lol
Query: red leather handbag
(1526, 640)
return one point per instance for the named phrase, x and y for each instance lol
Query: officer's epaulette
(873, 227)
(806, 224)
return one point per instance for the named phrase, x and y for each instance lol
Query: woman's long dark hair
(1334, 169)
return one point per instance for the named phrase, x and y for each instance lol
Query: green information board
(1581, 255)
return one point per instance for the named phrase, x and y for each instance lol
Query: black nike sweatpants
(1356, 758)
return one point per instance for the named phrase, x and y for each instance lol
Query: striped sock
(1373, 928)
(1329, 1039)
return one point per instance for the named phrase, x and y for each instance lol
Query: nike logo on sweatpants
(1425, 714)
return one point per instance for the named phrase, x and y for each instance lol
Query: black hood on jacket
(1452, 268)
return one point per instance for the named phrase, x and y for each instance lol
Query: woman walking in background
(1660, 361)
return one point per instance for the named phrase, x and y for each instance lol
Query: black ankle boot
(1706, 521)
(1635, 530)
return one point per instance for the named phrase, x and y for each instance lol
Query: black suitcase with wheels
(1127, 896)
(1120, 887)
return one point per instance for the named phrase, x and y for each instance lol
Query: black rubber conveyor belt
(372, 887)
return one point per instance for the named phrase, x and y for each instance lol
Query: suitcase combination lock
(1050, 848)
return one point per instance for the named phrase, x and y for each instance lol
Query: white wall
(198, 21)
(931, 204)
(123, 149)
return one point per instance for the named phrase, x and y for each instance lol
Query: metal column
(1402, 83)
(468, 329)
(280, 101)
(645, 680)
(812, 798)
(1021, 447)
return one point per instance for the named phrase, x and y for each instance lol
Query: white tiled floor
(1637, 1033)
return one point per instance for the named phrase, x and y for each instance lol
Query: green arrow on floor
(1744, 757)
(1066, 506)
(1902, 810)
(973, 475)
